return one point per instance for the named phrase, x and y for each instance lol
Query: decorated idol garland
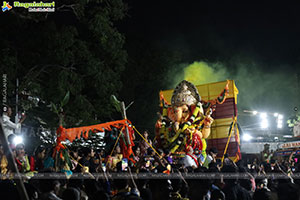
(186, 121)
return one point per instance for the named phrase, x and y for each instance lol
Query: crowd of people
(269, 178)
(87, 173)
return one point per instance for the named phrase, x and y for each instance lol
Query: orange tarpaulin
(71, 133)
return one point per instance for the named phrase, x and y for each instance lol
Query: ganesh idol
(186, 121)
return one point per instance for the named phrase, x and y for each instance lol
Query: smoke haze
(261, 89)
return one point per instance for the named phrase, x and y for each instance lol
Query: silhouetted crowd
(96, 175)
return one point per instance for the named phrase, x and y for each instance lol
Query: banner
(295, 144)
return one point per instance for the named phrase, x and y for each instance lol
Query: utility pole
(298, 91)
(123, 112)
(120, 106)
(17, 131)
(296, 128)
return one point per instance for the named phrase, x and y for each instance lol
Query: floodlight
(275, 114)
(247, 137)
(279, 123)
(17, 140)
(263, 115)
(264, 124)
(280, 116)
(254, 112)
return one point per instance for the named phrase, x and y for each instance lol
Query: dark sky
(268, 31)
(256, 43)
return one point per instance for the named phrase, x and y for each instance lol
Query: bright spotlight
(280, 116)
(17, 140)
(254, 112)
(275, 114)
(264, 124)
(279, 122)
(275, 138)
(263, 115)
(247, 137)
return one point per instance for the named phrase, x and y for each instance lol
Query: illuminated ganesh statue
(186, 121)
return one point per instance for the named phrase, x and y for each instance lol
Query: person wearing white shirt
(190, 160)
(8, 126)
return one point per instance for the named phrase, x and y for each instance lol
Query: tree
(76, 49)
(150, 68)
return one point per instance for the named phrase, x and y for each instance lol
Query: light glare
(247, 137)
(264, 124)
(18, 140)
(263, 115)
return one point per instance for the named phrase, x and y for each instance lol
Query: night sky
(268, 32)
(256, 44)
